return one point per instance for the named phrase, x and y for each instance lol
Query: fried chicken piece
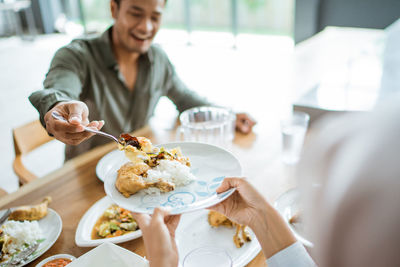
(164, 186)
(31, 213)
(296, 218)
(237, 239)
(245, 234)
(129, 181)
(216, 219)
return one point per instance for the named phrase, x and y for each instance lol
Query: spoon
(57, 116)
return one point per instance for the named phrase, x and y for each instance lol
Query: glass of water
(212, 125)
(207, 256)
(293, 131)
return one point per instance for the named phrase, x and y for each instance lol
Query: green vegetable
(104, 229)
(129, 226)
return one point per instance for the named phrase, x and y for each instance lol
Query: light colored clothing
(294, 255)
(87, 70)
(354, 214)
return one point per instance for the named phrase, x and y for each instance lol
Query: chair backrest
(3, 192)
(26, 138)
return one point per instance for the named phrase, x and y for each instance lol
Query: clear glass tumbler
(293, 131)
(207, 256)
(212, 125)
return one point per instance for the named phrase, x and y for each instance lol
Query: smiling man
(119, 77)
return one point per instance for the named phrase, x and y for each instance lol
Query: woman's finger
(228, 183)
(141, 218)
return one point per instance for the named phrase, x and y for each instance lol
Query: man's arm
(62, 88)
(63, 82)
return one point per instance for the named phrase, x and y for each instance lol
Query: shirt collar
(109, 58)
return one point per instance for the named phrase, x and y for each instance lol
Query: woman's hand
(159, 237)
(245, 206)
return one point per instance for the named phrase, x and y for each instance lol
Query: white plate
(107, 162)
(51, 227)
(210, 165)
(58, 256)
(109, 254)
(194, 231)
(84, 231)
(288, 205)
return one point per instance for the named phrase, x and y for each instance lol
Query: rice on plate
(170, 171)
(16, 236)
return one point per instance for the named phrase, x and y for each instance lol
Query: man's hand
(71, 132)
(159, 237)
(244, 123)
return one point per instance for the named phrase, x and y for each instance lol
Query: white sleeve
(293, 255)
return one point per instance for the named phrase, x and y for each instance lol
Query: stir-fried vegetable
(115, 221)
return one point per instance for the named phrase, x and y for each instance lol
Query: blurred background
(264, 57)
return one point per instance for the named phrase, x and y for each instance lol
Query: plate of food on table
(181, 176)
(206, 228)
(26, 232)
(106, 222)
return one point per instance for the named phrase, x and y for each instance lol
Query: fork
(57, 116)
(5, 216)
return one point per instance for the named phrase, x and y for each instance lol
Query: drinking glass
(293, 131)
(212, 125)
(207, 256)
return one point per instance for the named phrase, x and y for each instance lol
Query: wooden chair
(27, 138)
(3, 192)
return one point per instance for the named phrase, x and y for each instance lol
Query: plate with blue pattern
(209, 164)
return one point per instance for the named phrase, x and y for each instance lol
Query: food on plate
(17, 236)
(296, 218)
(30, 213)
(130, 180)
(216, 219)
(60, 262)
(151, 169)
(115, 221)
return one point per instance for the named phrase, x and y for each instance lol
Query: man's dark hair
(119, 1)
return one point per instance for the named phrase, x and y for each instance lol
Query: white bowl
(58, 256)
(83, 234)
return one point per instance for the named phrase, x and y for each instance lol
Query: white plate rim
(81, 242)
(288, 193)
(102, 162)
(214, 199)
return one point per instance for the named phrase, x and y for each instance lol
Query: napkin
(109, 254)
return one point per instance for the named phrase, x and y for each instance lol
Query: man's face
(137, 22)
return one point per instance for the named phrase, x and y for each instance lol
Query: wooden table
(75, 187)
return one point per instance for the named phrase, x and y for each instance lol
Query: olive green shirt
(87, 70)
